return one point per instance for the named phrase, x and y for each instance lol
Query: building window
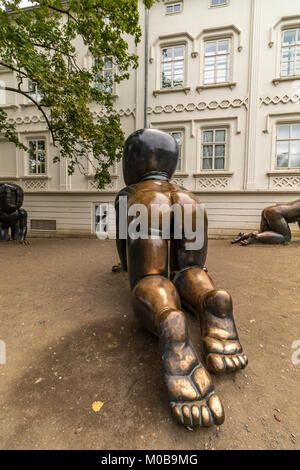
(174, 8)
(216, 61)
(37, 157)
(288, 146)
(33, 91)
(290, 52)
(172, 67)
(217, 3)
(178, 136)
(214, 143)
(101, 218)
(104, 78)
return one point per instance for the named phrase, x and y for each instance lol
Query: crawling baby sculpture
(149, 160)
(274, 226)
(13, 219)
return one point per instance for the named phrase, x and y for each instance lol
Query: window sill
(178, 174)
(91, 176)
(27, 105)
(186, 90)
(213, 173)
(9, 178)
(230, 85)
(36, 177)
(287, 172)
(8, 106)
(173, 13)
(290, 78)
(219, 6)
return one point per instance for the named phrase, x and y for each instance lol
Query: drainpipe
(146, 66)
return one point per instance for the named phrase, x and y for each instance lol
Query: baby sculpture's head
(149, 153)
(11, 197)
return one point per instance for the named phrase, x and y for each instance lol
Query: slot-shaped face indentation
(12, 197)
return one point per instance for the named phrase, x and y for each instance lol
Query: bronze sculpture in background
(274, 226)
(149, 161)
(13, 219)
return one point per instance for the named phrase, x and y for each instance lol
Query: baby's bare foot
(223, 355)
(194, 402)
(193, 399)
(222, 349)
(241, 236)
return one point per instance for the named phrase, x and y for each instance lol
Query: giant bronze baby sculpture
(149, 161)
(13, 219)
(274, 225)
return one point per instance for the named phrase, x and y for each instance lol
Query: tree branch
(40, 108)
(64, 12)
(13, 69)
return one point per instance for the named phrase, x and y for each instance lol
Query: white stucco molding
(186, 90)
(218, 33)
(280, 99)
(192, 123)
(171, 40)
(283, 181)
(166, 40)
(285, 22)
(201, 106)
(230, 85)
(290, 78)
(283, 117)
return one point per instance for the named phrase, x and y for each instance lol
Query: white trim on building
(249, 103)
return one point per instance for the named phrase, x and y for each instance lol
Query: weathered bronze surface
(164, 275)
(274, 226)
(13, 219)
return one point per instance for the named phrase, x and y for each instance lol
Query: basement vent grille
(43, 224)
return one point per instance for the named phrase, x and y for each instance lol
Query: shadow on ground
(72, 339)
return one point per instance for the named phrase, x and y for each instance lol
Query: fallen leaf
(97, 405)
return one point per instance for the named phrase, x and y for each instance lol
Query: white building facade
(223, 76)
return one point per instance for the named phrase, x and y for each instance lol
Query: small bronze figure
(274, 226)
(13, 219)
(163, 278)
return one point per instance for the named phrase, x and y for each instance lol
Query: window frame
(289, 140)
(99, 86)
(214, 143)
(170, 4)
(218, 5)
(95, 223)
(173, 46)
(295, 45)
(181, 147)
(229, 63)
(35, 94)
(37, 139)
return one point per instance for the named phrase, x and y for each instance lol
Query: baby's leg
(274, 230)
(4, 235)
(250, 237)
(222, 349)
(157, 305)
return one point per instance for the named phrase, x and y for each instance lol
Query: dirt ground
(71, 339)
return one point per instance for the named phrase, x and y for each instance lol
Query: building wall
(250, 106)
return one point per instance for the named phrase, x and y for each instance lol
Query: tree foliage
(39, 45)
